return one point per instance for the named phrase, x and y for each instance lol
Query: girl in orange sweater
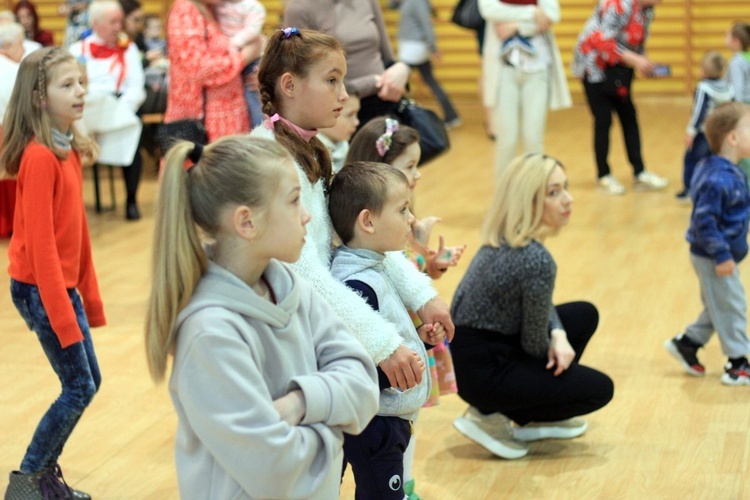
(50, 254)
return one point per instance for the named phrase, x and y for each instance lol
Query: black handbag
(433, 137)
(466, 14)
(188, 130)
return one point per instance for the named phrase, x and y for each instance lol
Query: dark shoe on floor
(131, 212)
(686, 354)
(683, 195)
(739, 375)
(23, 486)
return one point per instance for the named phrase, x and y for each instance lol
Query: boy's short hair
(713, 64)
(360, 185)
(722, 121)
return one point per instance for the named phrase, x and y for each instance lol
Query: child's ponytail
(293, 51)
(178, 260)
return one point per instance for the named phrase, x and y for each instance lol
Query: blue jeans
(252, 97)
(698, 151)
(76, 367)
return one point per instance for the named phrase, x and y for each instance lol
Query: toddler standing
(369, 207)
(718, 242)
(242, 21)
(713, 90)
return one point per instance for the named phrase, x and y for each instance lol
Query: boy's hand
(291, 407)
(726, 268)
(432, 334)
(689, 141)
(403, 368)
(437, 311)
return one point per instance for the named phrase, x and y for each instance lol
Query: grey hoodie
(236, 353)
(367, 266)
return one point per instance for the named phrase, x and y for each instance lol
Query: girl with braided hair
(53, 284)
(301, 82)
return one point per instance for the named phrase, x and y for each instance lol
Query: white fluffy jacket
(379, 337)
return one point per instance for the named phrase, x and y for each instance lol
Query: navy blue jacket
(721, 206)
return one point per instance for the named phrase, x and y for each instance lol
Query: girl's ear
(366, 222)
(286, 84)
(243, 221)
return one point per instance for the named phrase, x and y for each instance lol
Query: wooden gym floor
(665, 434)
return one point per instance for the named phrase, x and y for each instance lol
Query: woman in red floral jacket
(201, 57)
(609, 49)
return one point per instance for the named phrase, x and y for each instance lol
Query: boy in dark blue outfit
(713, 90)
(718, 242)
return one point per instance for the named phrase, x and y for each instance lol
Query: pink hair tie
(275, 118)
(384, 142)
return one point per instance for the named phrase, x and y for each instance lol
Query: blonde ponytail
(178, 260)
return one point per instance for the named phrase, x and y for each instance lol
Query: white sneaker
(454, 123)
(611, 185)
(564, 429)
(648, 181)
(493, 432)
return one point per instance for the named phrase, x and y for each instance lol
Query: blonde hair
(741, 31)
(98, 8)
(515, 215)
(721, 121)
(27, 117)
(713, 64)
(238, 170)
(295, 54)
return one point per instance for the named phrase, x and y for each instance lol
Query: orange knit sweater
(50, 246)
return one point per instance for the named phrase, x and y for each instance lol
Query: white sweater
(379, 337)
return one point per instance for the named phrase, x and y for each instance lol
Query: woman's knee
(81, 392)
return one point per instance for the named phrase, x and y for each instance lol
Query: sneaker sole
(648, 187)
(671, 349)
(537, 433)
(726, 379)
(609, 192)
(476, 434)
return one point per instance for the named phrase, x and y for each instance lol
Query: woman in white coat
(523, 72)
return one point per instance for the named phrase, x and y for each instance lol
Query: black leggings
(602, 103)
(494, 374)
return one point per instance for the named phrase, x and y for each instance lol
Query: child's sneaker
(736, 376)
(564, 429)
(686, 355)
(648, 181)
(492, 431)
(611, 185)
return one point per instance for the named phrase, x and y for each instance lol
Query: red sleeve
(210, 63)
(40, 176)
(45, 38)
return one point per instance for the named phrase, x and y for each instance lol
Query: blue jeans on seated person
(252, 97)
(76, 367)
(698, 151)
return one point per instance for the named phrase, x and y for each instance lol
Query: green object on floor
(409, 491)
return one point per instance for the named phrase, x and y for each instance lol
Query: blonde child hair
(295, 52)
(722, 121)
(233, 170)
(515, 215)
(27, 115)
(713, 64)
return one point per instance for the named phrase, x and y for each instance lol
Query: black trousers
(494, 374)
(132, 177)
(602, 103)
(374, 107)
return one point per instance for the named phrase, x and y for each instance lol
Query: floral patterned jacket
(615, 25)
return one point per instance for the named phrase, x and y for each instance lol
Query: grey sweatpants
(724, 309)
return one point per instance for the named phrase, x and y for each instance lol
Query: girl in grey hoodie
(265, 378)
